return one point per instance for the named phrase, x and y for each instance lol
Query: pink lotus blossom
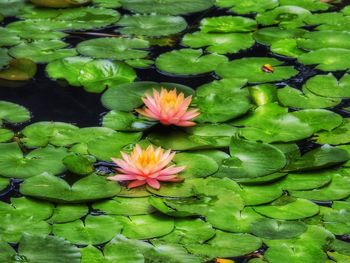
(169, 108)
(147, 167)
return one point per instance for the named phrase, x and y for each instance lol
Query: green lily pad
(322, 157)
(70, 18)
(304, 99)
(311, 5)
(321, 39)
(11, 7)
(78, 164)
(6, 135)
(13, 226)
(42, 51)
(105, 148)
(329, 86)
(252, 69)
(14, 164)
(167, 7)
(219, 43)
(13, 113)
(305, 181)
(285, 16)
(4, 57)
(114, 48)
(125, 121)
(4, 183)
(275, 229)
(197, 164)
(64, 213)
(188, 61)
(287, 208)
(189, 231)
(336, 190)
(226, 245)
(260, 194)
(269, 35)
(227, 24)
(339, 135)
(247, 6)
(8, 37)
(125, 206)
(327, 59)
(251, 159)
(107, 3)
(53, 249)
(94, 230)
(335, 219)
(49, 187)
(94, 75)
(147, 226)
(221, 100)
(183, 189)
(127, 97)
(287, 48)
(151, 25)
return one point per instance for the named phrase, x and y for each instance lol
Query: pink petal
(153, 183)
(171, 170)
(186, 123)
(122, 177)
(169, 178)
(136, 183)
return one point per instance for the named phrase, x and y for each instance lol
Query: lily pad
(227, 24)
(151, 25)
(167, 7)
(94, 230)
(188, 62)
(327, 59)
(329, 86)
(339, 135)
(252, 69)
(13, 113)
(322, 157)
(13, 163)
(125, 206)
(311, 5)
(321, 39)
(42, 51)
(64, 213)
(219, 43)
(287, 48)
(4, 57)
(288, 208)
(304, 99)
(336, 190)
(285, 16)
(221, 100)
(127, 97)
(247, 6)
(275, 229)
(19, 69)
(270, 35)
(114, 48)
(8, 37)
(251, 159)
(6, 135)
(226, 245)
(49, 187)
(260, 194)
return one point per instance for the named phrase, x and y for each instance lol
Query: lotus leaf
(107, 3)
(269, 35)
(188, 61)
(287, 48)
(151, 25)
(4, 57)
(19, 69)
(64, 213)
(311, 5)
(247, 6)
(8, 37)
(324, 39)
(13, 113)
(167, 7)
(227, 24)
(252, 69)
(261, 194)
(49, 187)
(339, 135)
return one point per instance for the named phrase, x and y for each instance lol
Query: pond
(174, 131)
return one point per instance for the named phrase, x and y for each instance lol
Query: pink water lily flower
(148, 166)
(169, 108)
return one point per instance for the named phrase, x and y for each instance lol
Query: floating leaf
(219, 43)
(339, 135)
(327, 59)
(270, 35)
(95, 230)
(251, 69)
(42, 51)
(287, 48)
(151, 25)
(19, 69)
(329, 86)
(4, 57)
(262, 194)
(14, 164)
(46, 186)
(247, 6)
(188, 62)
(8, 37)
(221, 100)
(227, 24)
(288, 208)
(114, 48)
(321, 39)
(311, 5)
(64, 213)
(13, 113)
(166, 7)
